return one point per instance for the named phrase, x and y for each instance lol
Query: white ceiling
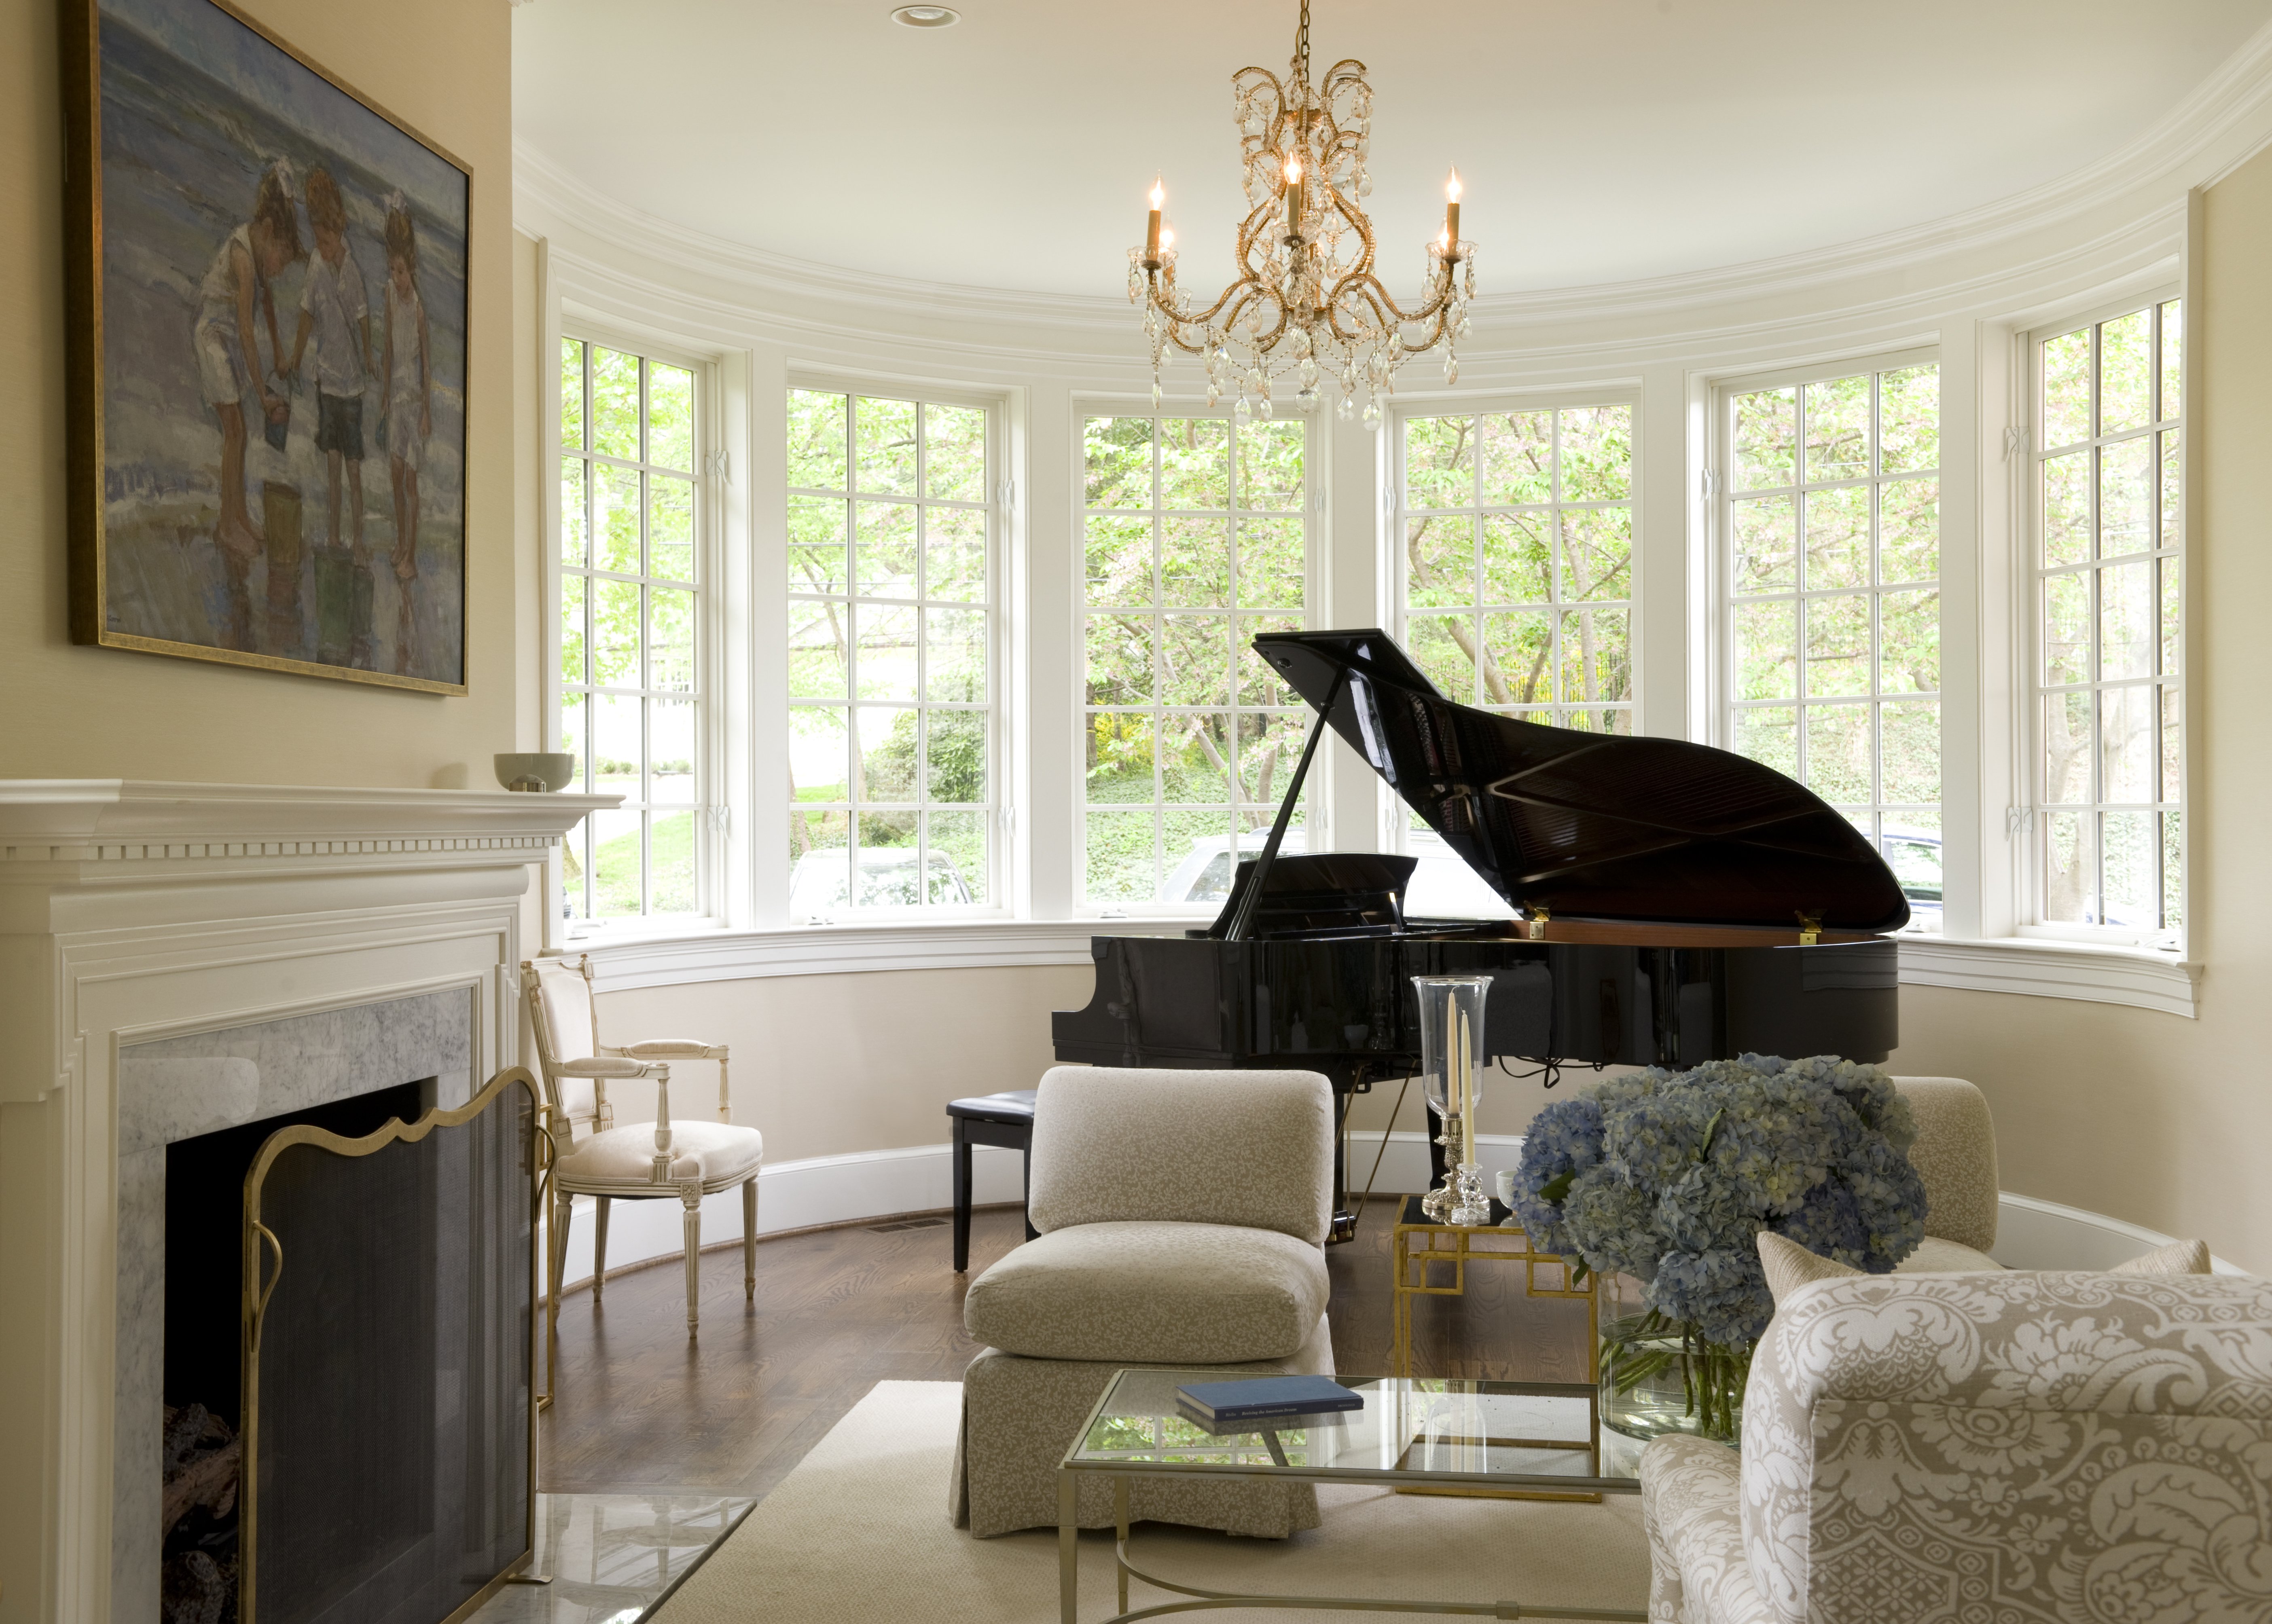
(1601, 140)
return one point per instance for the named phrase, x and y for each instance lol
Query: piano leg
(1348, 1083)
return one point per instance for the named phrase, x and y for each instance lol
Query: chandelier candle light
(1450, 1042)
(1307, 303)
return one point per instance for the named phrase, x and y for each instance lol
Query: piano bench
(1005, 1120)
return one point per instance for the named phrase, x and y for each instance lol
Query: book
(1257, 1398)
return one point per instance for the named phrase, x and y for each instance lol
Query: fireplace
(382, 1404)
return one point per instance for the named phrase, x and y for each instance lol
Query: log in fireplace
(350, 1296)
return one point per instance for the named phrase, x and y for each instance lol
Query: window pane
(1518, 451)
(954, 453)
(1838, 645)
(1195, 752)
(2067, 749)
(1766, 651)
(2172, 500)
(614, 404)
(1270, 564)
(1837, 537)
(1195, 659)
(671, 528)
(616, 633)
(1260, 683)
(816, 545)
(1596, 453)
(1911, 743)
(2173, 871)
(883, 562)
(2067, 509)
(1908, 416)
(2172, 743)
(2173, 616)
(573, 739)
(1596, 555)
(1195, 464)
(1268, 746)
(617, 746)
(575, 522)
(1120, 761)
(886, 432)
(1443, 645)
(2126, 741)
(820, 882)
(954, 655)
(817, 754)
(2172, 349)
(670, 639)
(819, 656)
(616, 504)
(1439, 461)
(1908, 531)
(1439, 555)
(2066, 627)
(571, 629)
(671, 862)
(955, 867)
(619, 876)
(670, 726)
(2126, 621)
(1195, 563)
(2126, 498)
(956, 757)
(2070, 869)
(1117, 855)
(1838, 429)
(1121, 659)
(1119, 458)
(1518, 558)
(2125, 384)
(1769, 735)
(816, 440)
(670, 416)
(1767, 544)
(1596, 656)
(954, 553)
(885, 764)
(1119, 561)
(1270, 468)
(2066, 389)
(2131, 859)
(1838, 751)
(1908, 655)
(571, 395)
(1767, 439)
(884, 652)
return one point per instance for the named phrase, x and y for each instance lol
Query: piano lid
(1593, 825)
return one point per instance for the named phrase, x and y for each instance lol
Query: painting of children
(252, 337)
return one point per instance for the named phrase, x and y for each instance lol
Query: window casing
(1195, 537)
(1830, 558)
(2104, 575)
(895, 727)
(627, 585)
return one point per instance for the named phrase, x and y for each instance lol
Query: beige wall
(830, 1064)
(444, 67)
(2165, 1122)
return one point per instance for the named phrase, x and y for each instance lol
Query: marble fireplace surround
(166, 942)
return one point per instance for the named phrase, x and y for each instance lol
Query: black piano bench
(1007, 1119)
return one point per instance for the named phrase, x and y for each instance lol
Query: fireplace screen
(389, 1345)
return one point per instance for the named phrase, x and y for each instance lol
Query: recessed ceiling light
(927, 16)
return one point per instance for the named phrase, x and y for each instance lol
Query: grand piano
(1678, 903)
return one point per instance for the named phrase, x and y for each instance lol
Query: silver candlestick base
(1437, 1203)
(1471, 1205)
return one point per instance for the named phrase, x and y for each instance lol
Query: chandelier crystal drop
(1306, 304)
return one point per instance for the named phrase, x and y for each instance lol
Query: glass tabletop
(1539, 1434)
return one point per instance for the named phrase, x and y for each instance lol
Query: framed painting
(266, 287)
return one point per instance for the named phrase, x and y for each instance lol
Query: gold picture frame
(259, 203)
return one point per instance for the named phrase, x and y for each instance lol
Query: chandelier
(1307, 305)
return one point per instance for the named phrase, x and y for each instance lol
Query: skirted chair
(2013, 1445)
(1955, 1153)
(681, 1160)
(1182, 1220)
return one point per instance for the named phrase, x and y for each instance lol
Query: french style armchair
(2003, 1445)
(1182, 1220)
(664, 1159)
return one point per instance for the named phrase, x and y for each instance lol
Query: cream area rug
(859, 1532)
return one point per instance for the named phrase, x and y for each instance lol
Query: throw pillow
(1790, 1265)
(2177, 1257)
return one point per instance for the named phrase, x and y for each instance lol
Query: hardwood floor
(640, 1408)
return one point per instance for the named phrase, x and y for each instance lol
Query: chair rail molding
(132, 910)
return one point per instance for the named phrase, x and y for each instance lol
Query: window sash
(929, 819)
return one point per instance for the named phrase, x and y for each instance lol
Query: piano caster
(1344, 1229)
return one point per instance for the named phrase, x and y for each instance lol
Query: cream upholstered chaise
(665, 1159)
(2006, 1445)
(1182, 1219)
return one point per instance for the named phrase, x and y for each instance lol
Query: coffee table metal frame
(1122, 1471)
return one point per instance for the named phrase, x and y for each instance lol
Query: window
(2108, 833)
(1195, 542)
(1831, 512)
(894, 726)
(1517, 568)
(630, 690)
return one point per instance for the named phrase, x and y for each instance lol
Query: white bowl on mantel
(535, 769)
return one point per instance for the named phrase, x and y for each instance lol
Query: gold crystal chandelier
(1307, 304)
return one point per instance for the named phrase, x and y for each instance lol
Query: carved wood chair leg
(600, 1249)
(692, 1195)
(749, 1239)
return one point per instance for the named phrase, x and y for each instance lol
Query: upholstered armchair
(664, 1159)
(1182, 1219)
(1992, 1446)
(1956, 1155)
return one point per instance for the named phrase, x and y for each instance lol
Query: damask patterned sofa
(2005, 1446)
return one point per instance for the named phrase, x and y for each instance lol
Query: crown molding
(2178, 150)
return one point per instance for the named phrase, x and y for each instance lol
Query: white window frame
(1725, 701)
(2030, 818)
(999, 816)
(1317, 822)
(560, 927)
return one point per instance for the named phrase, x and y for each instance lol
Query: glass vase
(1684, 1385)
(1452, 1055)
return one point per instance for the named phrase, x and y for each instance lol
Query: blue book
(1256, 1398)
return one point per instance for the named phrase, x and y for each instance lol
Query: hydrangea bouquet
(1669, 1176)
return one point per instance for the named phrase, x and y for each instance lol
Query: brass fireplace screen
(389, 1365)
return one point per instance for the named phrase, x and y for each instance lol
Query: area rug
(859, 1532)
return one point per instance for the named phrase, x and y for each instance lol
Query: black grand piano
(1680, 903)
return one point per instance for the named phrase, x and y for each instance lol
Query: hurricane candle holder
(1451, 1076)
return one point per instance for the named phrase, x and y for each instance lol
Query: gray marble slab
(609, 1558)
(178, 1088)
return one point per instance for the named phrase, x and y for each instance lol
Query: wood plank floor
(640, 1408)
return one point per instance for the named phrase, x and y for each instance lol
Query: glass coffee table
(1539, 1440)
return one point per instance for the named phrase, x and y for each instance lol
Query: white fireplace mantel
(134, 910)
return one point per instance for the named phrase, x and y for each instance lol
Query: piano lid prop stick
(1243, 921)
